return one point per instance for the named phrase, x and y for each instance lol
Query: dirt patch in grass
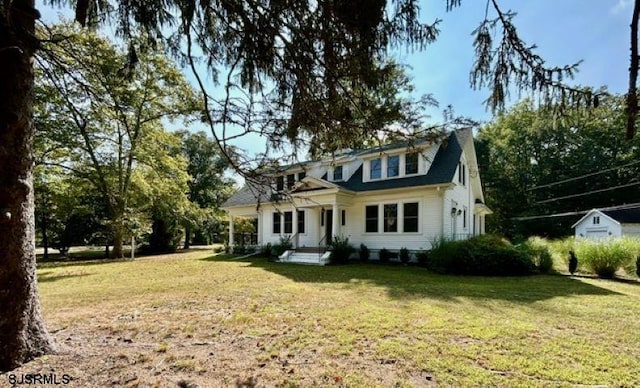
(197, 320)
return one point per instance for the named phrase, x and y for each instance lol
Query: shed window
(596, 220)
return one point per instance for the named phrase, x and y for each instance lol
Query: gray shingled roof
(249, 195)
(625, 216)
(442, 171)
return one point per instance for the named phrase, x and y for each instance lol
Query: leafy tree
(208, 187)
(526, 150)
(106, 140)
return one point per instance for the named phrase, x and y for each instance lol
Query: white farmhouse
(599, 224)
(395, 196)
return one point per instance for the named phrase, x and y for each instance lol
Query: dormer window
(291, 180)
(376, 169)
(337, 173)
(411, 163)
(393, 166)
(301, 175)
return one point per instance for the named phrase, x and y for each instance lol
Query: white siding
(604, 228)
(429, 227)
(631, 230)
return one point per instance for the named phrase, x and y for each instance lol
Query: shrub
(218, 249)
(486, 255)
(265, 250)
(538, 250)
(384, 255)
(422, 257)
(404, 255)
(363, 253)
(573, 262)
(606, 257)
(340, 250)
(281, 247)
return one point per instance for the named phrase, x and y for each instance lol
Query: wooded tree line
(107, 168)
(529, 157)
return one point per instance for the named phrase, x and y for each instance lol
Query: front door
(328, 225)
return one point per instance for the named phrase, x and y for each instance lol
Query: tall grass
(538, 249)
(601, 257)
(606, 257)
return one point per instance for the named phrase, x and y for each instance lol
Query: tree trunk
(118, 239)
(187, 236)
(23, 335)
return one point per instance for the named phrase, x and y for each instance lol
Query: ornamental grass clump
(607, 256)
(538, 249)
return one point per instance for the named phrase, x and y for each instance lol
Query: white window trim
(344, 173)
(282, 232)
(400, 216)
(384, 164)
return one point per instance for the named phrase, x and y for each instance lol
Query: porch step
(316, 250)
(305, 258)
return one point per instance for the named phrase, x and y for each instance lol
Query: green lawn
(215, 321)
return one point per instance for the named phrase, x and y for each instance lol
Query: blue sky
(565, 31)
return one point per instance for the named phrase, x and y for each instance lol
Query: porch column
(259, 228)
(230, 233)
(294, 227)
(281, 215)
(336, 221)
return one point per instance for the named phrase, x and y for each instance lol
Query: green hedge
(486, 255)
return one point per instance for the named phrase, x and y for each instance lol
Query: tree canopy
(538, 162)
(106, 127)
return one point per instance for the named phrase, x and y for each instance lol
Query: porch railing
(323, 241)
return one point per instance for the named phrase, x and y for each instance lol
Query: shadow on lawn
(48, 276)
(79, 259)
(407, 282)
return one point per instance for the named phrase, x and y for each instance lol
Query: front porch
(308, 220)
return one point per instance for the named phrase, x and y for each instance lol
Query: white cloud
(622, 6)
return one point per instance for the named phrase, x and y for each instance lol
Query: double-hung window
(411, 163)
(375, 167)
(337, 173)
(393, 166)
(410, 217)
(288, 222)
(371, 216)
(391, 217)
(276, 223)
(300, 221)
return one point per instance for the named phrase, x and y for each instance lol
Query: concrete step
(307, 258)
